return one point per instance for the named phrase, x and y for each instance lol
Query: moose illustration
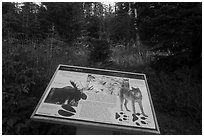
(66, 95)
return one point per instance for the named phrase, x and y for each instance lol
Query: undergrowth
(131, 56)
(177, 93)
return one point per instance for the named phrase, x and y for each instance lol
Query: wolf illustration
(133, 96)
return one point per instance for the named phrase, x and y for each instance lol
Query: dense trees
(173, 27)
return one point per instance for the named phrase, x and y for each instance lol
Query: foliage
(24, 80)
(121, 23)
(175, 27)
(130, 56)
(18, 79)
(66, 17)
(178, 92)
(99, 51)
(93, 27)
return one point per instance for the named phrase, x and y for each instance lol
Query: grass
(132, 56)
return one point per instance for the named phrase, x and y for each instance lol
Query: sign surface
(99, 98)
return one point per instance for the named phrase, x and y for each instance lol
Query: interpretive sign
(105, 99)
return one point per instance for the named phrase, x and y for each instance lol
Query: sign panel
(99, 98)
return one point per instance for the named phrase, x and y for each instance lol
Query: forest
(160, 39)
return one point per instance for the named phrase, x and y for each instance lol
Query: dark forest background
(162, 40)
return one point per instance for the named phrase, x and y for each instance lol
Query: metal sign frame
(95, 124)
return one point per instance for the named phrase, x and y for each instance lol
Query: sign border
(105, 126)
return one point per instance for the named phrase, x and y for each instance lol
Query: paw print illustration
(121, 116)
(139, 119)
(67, 111)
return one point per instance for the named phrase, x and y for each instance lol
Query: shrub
(99, 51)
(23, 83)
(177, 92)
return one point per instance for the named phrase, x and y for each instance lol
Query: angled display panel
(104, 99)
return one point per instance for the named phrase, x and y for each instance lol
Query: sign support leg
(92, 131)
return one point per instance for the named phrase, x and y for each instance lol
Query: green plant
(130, 56)
(179, 92)
(99, 51)
(17, 81)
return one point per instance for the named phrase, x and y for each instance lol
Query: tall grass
(130, 56)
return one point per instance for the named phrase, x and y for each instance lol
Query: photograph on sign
(101, 98)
